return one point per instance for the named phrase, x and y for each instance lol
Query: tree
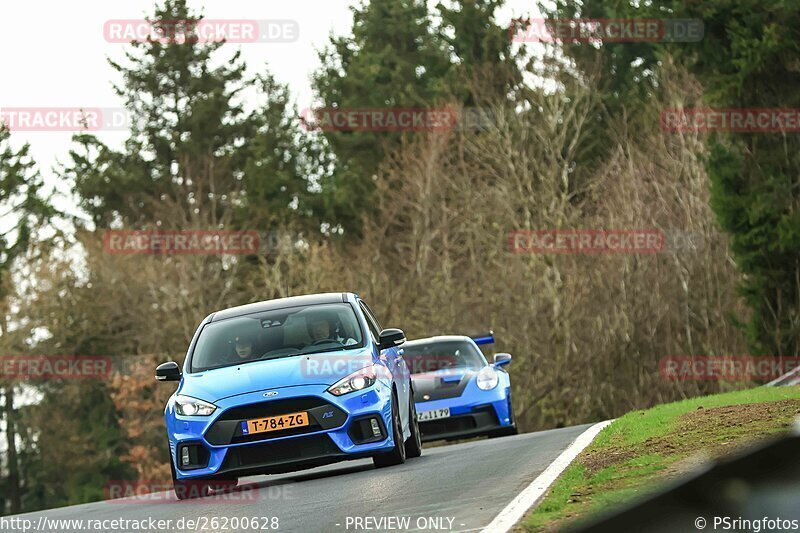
(393, 59)
(185, 133)
(481, 49)
(195, 155)
(20, 198)
(281, 164)
(746, 59)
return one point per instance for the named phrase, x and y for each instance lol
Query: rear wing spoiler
(483, 338)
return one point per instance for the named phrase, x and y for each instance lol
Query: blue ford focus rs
(284, 385)
(457, 393)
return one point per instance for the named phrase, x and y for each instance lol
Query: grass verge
(640, 450)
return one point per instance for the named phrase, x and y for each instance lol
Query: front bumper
(472, 414)
(218, 448)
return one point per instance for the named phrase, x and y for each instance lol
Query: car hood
(445, 383)
(313, 369)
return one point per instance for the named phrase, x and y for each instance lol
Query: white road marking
(515, 510)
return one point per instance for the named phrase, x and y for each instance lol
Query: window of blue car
(277, 333)
(372, 322)
(434, 356)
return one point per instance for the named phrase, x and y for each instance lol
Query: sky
(55, 54)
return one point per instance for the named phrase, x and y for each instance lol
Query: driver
(319, 329)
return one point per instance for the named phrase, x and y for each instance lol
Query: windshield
(434, 356)
(276, 333)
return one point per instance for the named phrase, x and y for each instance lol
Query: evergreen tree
(481, 50)
(281, 163)
(193, 149)
(393, 59)
(746, 59)
(186, 128)
(20, 199)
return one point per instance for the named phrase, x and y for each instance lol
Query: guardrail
(790, 378)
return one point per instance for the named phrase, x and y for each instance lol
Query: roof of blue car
(438, 338)
(279, 303)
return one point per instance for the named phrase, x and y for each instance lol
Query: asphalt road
(460, 487)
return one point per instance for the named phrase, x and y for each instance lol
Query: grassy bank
(643, 448)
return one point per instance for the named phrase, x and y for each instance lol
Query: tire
(397, 455)
(188, 489)
(414, 442)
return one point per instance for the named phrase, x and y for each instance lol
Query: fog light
(185, 456)
(376, 429)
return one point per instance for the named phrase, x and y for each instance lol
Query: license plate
(274, 423)
(433, 415)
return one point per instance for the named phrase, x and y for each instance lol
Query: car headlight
(487, 379)
(359, 380)
(188, 406)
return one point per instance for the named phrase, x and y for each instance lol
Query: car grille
(272, 454)
(478, 419)
(227, 428)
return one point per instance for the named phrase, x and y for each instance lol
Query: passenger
(244, 347)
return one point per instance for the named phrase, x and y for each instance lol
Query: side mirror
(502, 359)
(168, 371)
(390, 338)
